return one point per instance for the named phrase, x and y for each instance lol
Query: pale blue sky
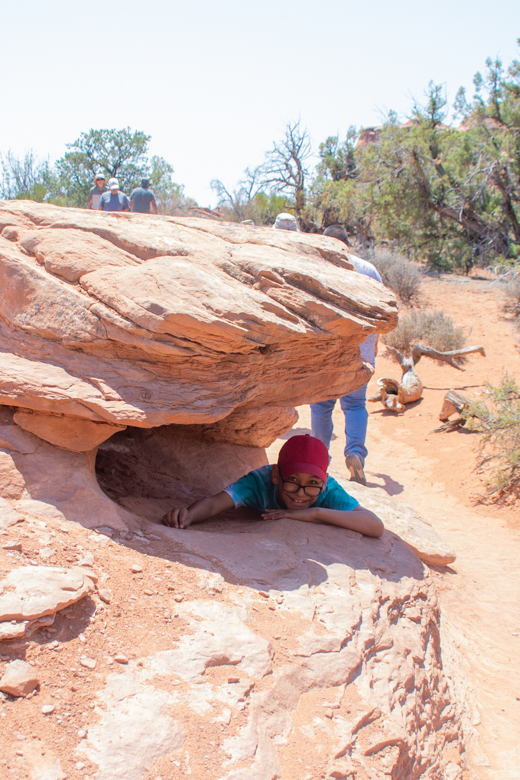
(214, 83)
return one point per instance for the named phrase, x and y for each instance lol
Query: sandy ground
(434, 472)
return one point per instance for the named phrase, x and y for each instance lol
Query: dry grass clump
(498, 419)
(431, 328)
(511, 289)
(399, 274)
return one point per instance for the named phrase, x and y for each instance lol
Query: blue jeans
(356, 419)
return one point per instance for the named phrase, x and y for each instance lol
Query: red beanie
(304, 455)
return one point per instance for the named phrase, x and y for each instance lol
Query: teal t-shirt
(257, 490)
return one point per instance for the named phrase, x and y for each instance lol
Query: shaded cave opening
(149, 471)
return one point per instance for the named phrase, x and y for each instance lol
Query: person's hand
(306, 515)
(177, 518)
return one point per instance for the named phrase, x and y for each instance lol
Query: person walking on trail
(97, 191)
(114, 200)
(285, 222)
(142, 198)
(353, 404)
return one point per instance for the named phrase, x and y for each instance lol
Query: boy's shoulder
(262, 474)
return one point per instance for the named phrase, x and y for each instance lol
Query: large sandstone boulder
(218, 330)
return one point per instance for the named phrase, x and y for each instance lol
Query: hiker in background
(142, 198)
(285, 222)
(353, 405)
(114, 200)
(97, 191)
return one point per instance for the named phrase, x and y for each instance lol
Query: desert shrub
(399, 274)
(432, 328)
(498, 419)
(511, 289)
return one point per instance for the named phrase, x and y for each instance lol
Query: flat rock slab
(36, 591)
(403, 520)
(8, 515)
(301, 640)
(19, 678)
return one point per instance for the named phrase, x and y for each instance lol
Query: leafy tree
(448, 195)
(168, 194)
(338, 161)
(26, 178)
(335, 197)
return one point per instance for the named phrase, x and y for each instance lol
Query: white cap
(285, 222)
(99, 175)
(113, 184)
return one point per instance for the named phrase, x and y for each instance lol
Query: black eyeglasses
(310, 490)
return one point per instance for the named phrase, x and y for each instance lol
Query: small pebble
(48, 709)
(13, 546)
(105, 595)
(179, 598)
(233, 680)
(121, 658)
(82, 733)
(136, 568)
(148, 593)
(263, 593)
(19, 752)
(88, 663)
(277, 636)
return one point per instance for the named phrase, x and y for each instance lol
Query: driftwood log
(453, 402)
(396, 394)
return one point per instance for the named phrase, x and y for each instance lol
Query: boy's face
(298, 499)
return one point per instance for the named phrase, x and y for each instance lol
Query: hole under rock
(152, 470)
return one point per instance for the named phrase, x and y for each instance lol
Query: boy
(297, 487)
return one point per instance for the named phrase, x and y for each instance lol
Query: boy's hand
(177, 518)
(306, 515)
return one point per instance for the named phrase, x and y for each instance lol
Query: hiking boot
(355, 466)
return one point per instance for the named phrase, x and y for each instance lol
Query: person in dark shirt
(142, 198)
(114, 200)
(97, 191)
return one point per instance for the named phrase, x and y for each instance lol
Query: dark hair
(145, 183)
(336, 231)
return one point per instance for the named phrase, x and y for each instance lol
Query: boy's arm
(359, 519)
(201, 510)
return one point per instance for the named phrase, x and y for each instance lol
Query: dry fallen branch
(394, 394)
(453, 402)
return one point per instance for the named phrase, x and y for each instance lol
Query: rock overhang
(154, 320)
